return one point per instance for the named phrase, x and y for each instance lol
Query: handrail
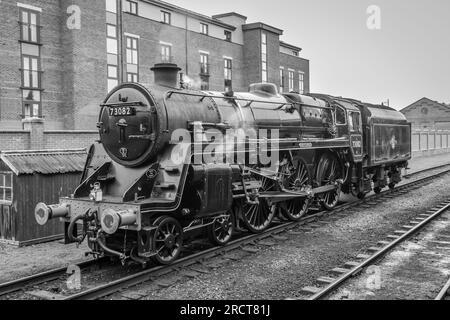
(250, 101)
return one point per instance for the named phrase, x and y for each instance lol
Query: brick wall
(252, 56)
(14, 140)
(74, 139)
(297, 64)
(84, 65)
(426, 114)
(152, 32)
(10, 78)
(21, 140)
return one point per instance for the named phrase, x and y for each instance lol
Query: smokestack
(166, 74)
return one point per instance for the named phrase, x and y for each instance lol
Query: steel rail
(357, 269)
(147, 275)
(444, 292)
(39, 278)
(409, 175)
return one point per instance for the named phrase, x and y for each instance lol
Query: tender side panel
(390, 143)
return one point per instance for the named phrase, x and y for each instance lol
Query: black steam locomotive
(161, 173)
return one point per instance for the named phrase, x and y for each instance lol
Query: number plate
(122, 111)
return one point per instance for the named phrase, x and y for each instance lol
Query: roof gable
(45, 162)
(430, 102)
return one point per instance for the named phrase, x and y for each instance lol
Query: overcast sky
(407, 59)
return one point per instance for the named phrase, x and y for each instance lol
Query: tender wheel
(328, 171)
(221, 231)
(258, 216)
(296, 179)
(168, 240)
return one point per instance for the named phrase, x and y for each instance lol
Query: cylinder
(43, 213)
(112, 220)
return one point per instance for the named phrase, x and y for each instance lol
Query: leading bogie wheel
(220, 232)
(167, 239)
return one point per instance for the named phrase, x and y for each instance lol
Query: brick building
(58, 60)
(428, 114)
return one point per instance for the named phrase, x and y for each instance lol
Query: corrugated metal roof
(45, 162)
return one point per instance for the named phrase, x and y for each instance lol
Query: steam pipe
(72, 224)
(106, 249)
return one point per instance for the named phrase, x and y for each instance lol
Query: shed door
(6, 218)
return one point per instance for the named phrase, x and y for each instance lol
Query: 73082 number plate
(122, 111)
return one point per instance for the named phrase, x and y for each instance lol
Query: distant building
(59, 59)
(428, 114)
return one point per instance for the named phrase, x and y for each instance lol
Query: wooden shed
(30, 177)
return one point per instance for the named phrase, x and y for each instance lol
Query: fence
(427, 143)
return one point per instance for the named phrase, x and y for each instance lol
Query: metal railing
(430, 140)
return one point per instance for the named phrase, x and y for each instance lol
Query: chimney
(166, 74)
(36, 128)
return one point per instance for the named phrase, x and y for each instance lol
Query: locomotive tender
(136, 200)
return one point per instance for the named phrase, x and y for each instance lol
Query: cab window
(354, 121)
(340, 116)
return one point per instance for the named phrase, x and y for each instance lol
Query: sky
(406, 59)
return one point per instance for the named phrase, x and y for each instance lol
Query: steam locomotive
(162, 175)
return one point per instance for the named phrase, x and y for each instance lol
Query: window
(31, 103)
(111, 6)
(295, 53)
(301, 82)
(132, 50)
(228, 35)
(340, 116)
(31, 63)
(112, 44)
(30, 29)
(111, 31)
(132, 77)
(131, 7)
(291, 80)
(282, 84)
(204, 28)
(228, 73)
(166, 17)
(166, 53)
(132, 58)
(264, 57)
(30, 72)
(204, 64)
(204, 82)
(354, 122)
(6, 186)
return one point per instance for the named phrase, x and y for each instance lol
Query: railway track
(43, 277)
(444, 294)
(339, 276)
(246, 242)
